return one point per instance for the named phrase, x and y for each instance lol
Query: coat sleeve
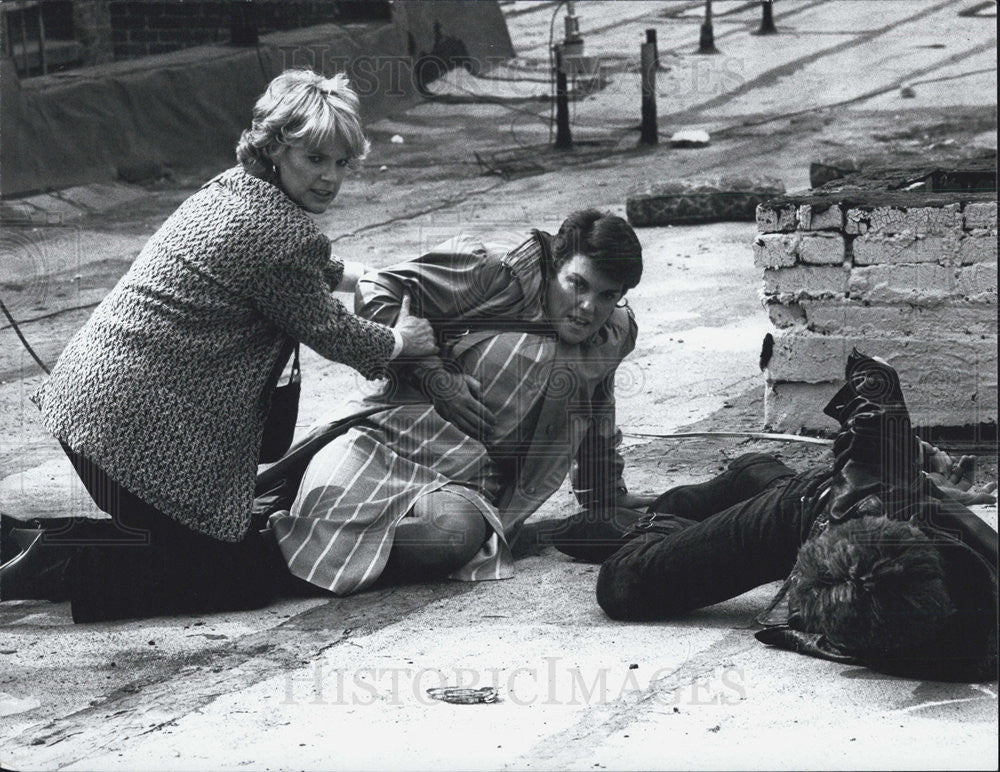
(333, 272)
(455, 280)
(295, 295)
(598, 466)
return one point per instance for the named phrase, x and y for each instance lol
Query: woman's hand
(417, 333)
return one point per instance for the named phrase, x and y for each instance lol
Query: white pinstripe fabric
(339, 532)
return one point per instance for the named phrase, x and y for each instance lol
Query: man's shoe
(592, 536)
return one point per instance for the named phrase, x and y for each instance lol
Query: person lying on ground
(434, 475)
(885, 567)
(160, 400)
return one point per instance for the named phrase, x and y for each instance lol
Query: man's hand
(417, 334)
(637, 501)
(954, 478)
(457, 397)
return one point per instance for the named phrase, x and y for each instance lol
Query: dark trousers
(715, 541)
(142, 563)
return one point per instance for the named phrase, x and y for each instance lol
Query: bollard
(564, 140)
(651, 38)
(706, 41)
(767, 19)
(647, 57)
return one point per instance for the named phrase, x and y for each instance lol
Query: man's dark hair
(874, 587)
(606, 239)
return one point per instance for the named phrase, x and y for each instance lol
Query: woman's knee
(443, 533)
(458, 535)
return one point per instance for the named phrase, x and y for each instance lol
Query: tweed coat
(166, 385)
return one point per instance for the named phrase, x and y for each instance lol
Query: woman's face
(311, 175)
(579, 299)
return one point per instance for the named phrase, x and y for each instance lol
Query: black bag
(279, 427)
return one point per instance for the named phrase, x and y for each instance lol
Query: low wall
(890, 262)
(186, 109)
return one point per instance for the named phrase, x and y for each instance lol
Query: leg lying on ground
(662, 575)
(594, 536)
(744, 478)
(441, 534)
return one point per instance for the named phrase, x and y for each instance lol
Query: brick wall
(142, 27)
(92, 28)
(907, 275)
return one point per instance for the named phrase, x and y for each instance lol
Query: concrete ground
(341, 683)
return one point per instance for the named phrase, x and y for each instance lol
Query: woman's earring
(622, 303)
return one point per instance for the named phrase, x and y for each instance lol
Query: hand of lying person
(954, 478)
(457, 398)
(637, 501)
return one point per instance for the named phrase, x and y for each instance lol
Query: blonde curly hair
(301, 107)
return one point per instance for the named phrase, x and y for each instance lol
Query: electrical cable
(24, 341)
(747, 435)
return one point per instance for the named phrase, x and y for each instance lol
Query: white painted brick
(977, 282)
(822, 248)
(978, 247)
(814, 218)
(805, 357)
(917, 221)
(793, 407)
(981, 214)
(832, 317)
(922, 284)
(876, 248)
(949, 379)
(776, 219)
(856, 221)
(785, 315)
(808, 280)
(797, 407)
(775, 250)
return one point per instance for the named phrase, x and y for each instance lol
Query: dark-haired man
(435, 474)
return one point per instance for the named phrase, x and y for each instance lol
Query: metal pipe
(41, 41)
(648, 135)
(651, 38)
(564, 140)
(706, 41)
(744, 435)
(767, 19)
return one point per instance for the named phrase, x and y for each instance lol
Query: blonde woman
(161, 398)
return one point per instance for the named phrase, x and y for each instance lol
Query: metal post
(41, 42)
(564, 141)
(767, 19)
(706, 42)
(651, 38)
(648, 66)
(24, 38)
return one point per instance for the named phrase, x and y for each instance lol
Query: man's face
(311, 176)
(579, 299)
